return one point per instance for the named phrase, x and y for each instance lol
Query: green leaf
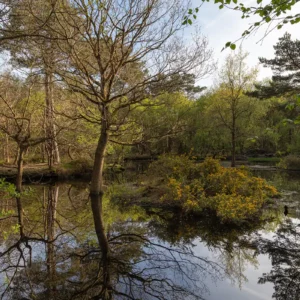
(259, 1)
(279, 26)
(290, 106)
(190, 21)
(232, 46)
(221, 6)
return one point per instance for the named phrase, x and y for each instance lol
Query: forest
(108, 136)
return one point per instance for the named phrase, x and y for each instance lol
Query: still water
(152, 254)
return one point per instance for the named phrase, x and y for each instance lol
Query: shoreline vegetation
(234, 195)
(179, 183)
(82, 169)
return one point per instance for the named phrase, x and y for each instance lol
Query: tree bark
(19, 190)
(7, 157)
(96, 194)
(96, 188)
(51, 144)
(97, 175)
(233, 144)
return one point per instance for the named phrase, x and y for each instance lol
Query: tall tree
(231, 104)
(115, 53)
(21, 118)
(286, 68)
(34, 50)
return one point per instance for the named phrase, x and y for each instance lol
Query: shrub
(233, 194)
(290, 162)
(175, 166)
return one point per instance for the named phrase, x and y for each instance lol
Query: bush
(77, 166)
(290, 162)
(233, 194)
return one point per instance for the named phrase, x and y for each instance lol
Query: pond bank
(41, 172)
(83, 170)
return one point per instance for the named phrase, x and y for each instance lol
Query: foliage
(285, 67)
(290, 162)
(233, 194)
(272, 13)
(7, 189)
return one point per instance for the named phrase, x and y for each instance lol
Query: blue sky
(221, 26)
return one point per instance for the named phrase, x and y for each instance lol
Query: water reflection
(51, 251)
(284, 251)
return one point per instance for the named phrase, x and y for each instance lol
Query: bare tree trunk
(19, 190)
(97, 175)
(96, 188)
(51, 143)
(7, 157)
(233, 144)
(96, 194)
(49, 120)
(17, 156)
(43, 152)
(20, 170)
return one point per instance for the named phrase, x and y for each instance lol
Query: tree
(286, 68)
(21, 111)
(35, 52)
(229, 103)
(283, 251)
(162, 125)
(115, 54)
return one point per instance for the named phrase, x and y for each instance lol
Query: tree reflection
(284, 252)
(56, 254)
(231, 244)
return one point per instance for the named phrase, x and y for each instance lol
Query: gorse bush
(233, 194)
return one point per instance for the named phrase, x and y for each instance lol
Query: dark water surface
(153, 254)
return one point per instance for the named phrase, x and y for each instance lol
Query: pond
(153, 254)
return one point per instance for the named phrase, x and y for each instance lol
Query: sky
(221, 26)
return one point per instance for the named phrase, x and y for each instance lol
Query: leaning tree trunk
(96, 194)
(96, 188)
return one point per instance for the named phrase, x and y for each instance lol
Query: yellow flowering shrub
(232, 193)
